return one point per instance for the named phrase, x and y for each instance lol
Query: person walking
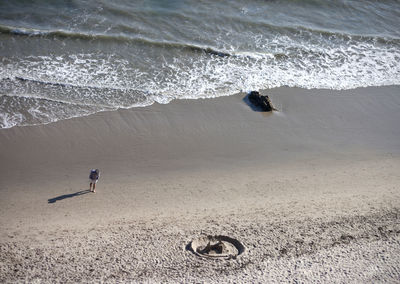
(94, 177)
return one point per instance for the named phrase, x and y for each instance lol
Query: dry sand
(311, 191)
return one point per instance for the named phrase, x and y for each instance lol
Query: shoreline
(321, 169)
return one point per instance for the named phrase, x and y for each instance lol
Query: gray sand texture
(311, 192)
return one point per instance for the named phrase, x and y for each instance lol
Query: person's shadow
(61, 197)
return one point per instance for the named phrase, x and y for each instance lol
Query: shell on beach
(216, 247)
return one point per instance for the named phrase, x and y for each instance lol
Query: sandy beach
(312, 191)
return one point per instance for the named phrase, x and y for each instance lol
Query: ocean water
(63, 59)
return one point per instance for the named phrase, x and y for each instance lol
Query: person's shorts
(93, 180)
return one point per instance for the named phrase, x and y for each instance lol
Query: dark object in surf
(262, 102)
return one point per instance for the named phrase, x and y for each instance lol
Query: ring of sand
(216, 247)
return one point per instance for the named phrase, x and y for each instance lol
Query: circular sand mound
(217, 247)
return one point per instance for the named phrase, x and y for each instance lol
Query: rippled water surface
(61, 59)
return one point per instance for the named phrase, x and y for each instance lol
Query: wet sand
(312, 191)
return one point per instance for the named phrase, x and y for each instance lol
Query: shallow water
(73, 58)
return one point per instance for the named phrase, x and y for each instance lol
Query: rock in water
(263, 102)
